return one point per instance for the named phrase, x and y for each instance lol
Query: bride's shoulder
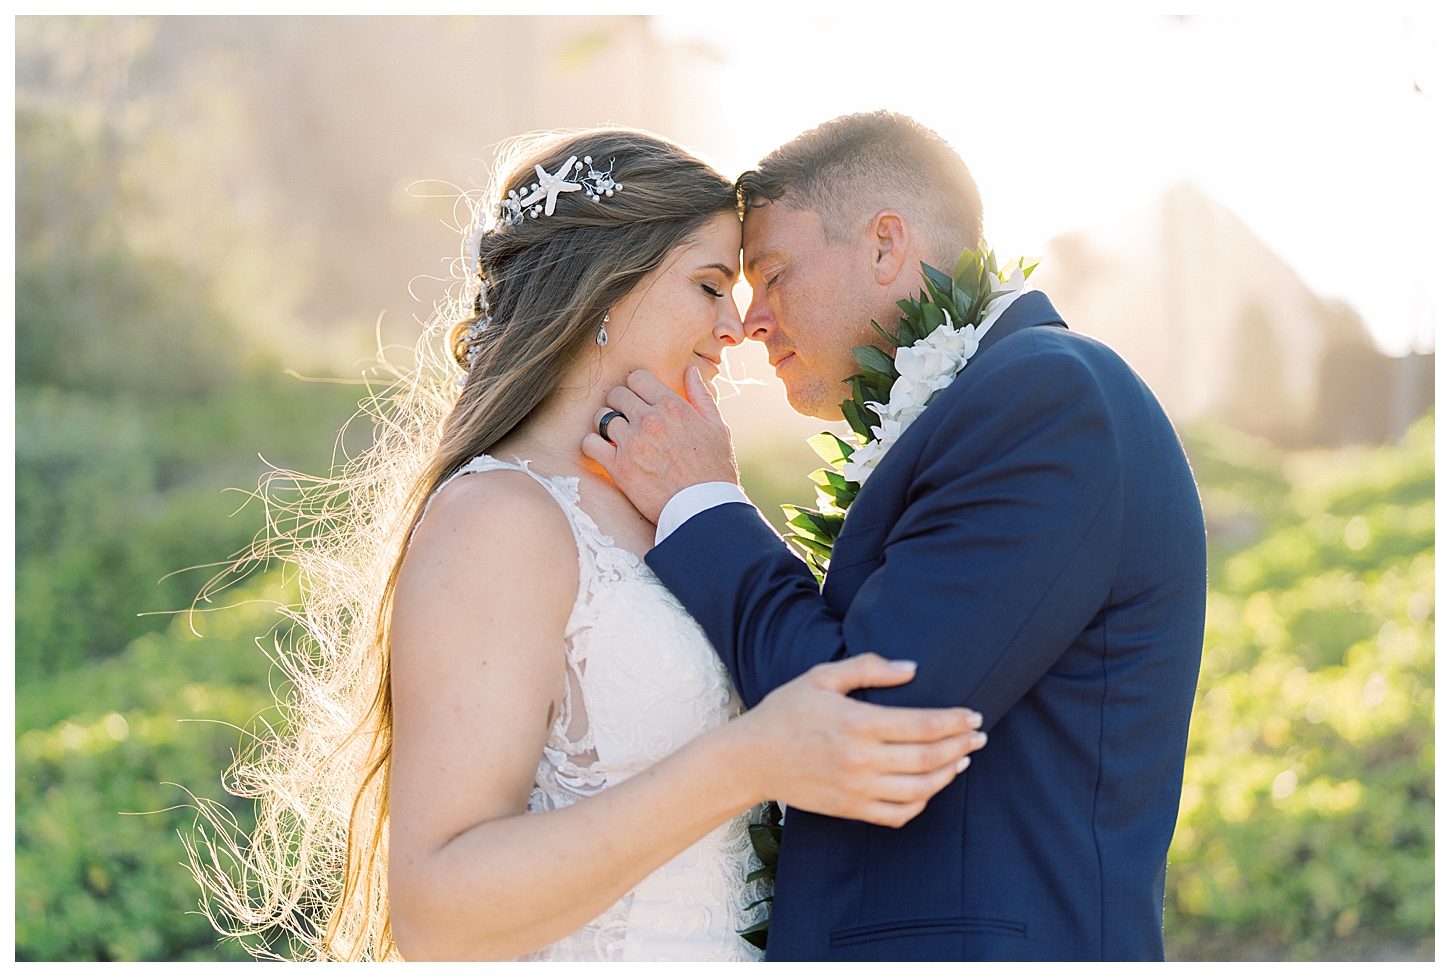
(505, 495)
(497, 523)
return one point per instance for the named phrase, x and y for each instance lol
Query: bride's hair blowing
(313, 873)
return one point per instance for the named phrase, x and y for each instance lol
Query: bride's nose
(728, 328)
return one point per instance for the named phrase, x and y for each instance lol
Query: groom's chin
(816, 401)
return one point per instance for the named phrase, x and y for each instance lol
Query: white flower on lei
(937, 359)
(862, 462)
(1014, 286)
(927, 367)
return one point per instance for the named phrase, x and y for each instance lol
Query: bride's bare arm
(477, 670)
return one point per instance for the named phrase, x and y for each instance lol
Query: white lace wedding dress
(642, 680)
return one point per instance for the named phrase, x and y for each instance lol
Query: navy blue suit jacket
(1035, 542)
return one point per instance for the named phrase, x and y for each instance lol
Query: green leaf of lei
(765, 839)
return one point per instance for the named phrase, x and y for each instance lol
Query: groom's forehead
(779, 227)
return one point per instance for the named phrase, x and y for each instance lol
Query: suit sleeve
(1003, 554)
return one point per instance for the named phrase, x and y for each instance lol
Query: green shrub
(115, 498)
(1307, 816)
(105, 758)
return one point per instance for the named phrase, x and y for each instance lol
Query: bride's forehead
(720, 239)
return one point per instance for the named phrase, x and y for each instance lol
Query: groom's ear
(890, 238)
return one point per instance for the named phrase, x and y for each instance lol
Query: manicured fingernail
(963, 763)
(974, 716)
(980, 740)
(901, 666)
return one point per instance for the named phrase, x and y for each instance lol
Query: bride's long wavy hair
(313, 873)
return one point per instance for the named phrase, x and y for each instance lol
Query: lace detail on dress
(641, 680)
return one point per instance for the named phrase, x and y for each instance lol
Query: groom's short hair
(848, 168)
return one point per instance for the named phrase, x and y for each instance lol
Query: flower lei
(889, 393)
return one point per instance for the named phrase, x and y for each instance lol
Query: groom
(1034, 541)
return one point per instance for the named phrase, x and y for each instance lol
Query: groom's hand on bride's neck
(664, 443)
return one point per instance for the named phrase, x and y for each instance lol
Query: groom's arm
(1002, 556)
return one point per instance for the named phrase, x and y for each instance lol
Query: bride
(507, 738)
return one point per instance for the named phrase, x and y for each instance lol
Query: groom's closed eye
(765, 262)
(770, 276)
(771, 273)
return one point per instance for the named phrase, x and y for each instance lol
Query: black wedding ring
(604, 424)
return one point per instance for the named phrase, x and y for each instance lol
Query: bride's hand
(817, 749)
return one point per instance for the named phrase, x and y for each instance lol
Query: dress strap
(563, 488)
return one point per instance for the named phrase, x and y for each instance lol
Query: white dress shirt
(690, 502)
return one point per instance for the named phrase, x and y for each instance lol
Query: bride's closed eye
(712, 290)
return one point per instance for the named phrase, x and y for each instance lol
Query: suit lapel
(1030, 309)
(863, 541)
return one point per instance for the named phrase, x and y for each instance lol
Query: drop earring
(602, 337)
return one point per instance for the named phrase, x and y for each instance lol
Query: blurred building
(1220, 327)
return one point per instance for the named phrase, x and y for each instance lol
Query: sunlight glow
(1316, 131)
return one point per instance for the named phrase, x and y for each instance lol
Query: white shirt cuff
(690, 502)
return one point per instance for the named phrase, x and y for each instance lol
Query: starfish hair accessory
(538, 199)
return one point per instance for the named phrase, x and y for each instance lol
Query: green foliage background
(146, 387)
(140, 400)
(1307, 819)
